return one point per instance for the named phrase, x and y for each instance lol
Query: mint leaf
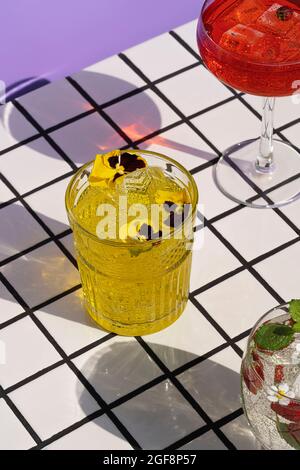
(289, 434)
(273, 336)
(296, 327)
(294, 309)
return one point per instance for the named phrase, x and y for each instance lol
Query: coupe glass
(270, 382)
(254, 46)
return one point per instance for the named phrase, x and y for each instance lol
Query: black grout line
(34, 247)
(183, 391)
(168, 102)
(19, 144)
(186, 46)
(43, 134)
(100, 111)
(20, 417)
(73, 368)
(199, 432)
(40, 221)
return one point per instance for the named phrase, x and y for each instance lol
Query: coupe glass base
(278, 187)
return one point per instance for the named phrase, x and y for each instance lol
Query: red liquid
(252, 45)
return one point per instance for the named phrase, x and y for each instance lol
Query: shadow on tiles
(153, 416)
(89, 135)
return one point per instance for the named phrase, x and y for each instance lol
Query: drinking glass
(133, 288)
(270, 381)
(254, 46)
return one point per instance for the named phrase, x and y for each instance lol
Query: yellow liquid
(131, 288)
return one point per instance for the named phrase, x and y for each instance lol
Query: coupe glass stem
(265, 161)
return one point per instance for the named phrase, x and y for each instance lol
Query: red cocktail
(254, 46)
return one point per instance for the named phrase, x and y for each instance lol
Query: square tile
(212, 201)
(14, 127)
(179, 343)
(208, 441)
(84, 138)
(170, 415)
(108, 79)
(20, 230)
(69, 324)
(9, 307)
(22, 340)
(237, 303)
(240, 434)
(49, 204)
(188, 33)
(188, 91)
(228, 125)
(54, 401)
(141, 114)
(117, 367)
(32, 165)
(159, 56)
(215, 383)
(13, 435)
(182, 144)
(286, 110)
(5, 193)
(48, 273)
(54, 103)
(248, 230)
(210, 261)
(99, 434)
(282, 272)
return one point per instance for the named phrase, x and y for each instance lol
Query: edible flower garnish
(110, 166)
(140, 230)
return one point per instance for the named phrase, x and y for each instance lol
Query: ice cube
(253, 44)
(247, 11)
(137, 181)
(278, 19)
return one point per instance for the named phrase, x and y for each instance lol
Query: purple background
(50, 39)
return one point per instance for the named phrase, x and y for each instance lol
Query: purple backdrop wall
(51, 39)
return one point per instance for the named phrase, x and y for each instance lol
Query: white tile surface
(14, 127)
(188, 33)
(142, 114)
(171, 416)
(9, 307)
(282, 272)
(5, 193)
(248, 230)
(153, 56)
(99, 434)
(117, 367)
(53, 402)
(203, 383)
(13, 435)
(69, 324)
(19, 232)
(293, 134)
(211, 261)
(48, 273)
(179, 343)
(208, 441)
(292, 211)
(86, 137)
(26, 351)
(234, 124)
(54, 103)
(237, 303)
(108, 79)
(49, 204)
(188, 91)
(239, 432)
(182, 144)
(25, 166)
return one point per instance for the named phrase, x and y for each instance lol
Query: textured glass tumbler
(133, 289)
